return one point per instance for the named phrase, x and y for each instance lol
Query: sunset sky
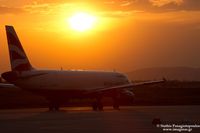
(126, 34)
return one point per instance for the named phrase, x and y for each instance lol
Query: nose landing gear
(115, 104)
(97, 105)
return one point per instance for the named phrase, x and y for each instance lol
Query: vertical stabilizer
(18, 58)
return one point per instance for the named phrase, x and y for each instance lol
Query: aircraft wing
(149, 82)
(129, 86)
(6, 85)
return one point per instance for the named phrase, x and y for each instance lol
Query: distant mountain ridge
(170, 73)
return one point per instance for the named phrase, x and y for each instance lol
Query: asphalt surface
(136, 119)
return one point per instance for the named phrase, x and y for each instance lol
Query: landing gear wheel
(116, 104)
(97, 105)
(54, 106)
(116, 107)
(94, 106)
(57, 107)
(100, 107)
(51, 108)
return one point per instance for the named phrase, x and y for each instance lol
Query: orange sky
(129, 34)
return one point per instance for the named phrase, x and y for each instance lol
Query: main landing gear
(98, 106)
(115, 104)
(54, 106)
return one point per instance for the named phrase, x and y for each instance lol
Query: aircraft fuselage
(65, 80)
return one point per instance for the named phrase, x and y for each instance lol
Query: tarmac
(133, 119)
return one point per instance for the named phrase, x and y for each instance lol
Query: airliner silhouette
(58, 86)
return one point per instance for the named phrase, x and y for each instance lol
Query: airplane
(58, 86)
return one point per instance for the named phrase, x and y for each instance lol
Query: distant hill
(170, 73)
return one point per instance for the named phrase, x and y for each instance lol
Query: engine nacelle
(128, 93)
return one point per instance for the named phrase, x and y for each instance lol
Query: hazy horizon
(126, 36)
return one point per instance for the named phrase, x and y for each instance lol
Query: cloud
(38, 8)
(160, 3)
(151, 5)
(106, 8)
(10, 10)
(112, 9)
(175, 5)
(191, 5)
(127, 3)
(119, 7)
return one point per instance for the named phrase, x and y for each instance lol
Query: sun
(82, 21)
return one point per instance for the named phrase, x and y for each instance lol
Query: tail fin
(18, 58)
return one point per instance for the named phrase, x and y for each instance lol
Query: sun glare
(82, 21)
